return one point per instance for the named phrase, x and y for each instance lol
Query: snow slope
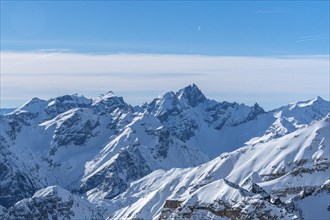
(54, 202)
(284, 167)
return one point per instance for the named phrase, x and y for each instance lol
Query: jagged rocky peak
(168, 99)
(110, 102)
(304, 112)
(34, 105)
(64, 103)
(255, 111)
(317, 102)
(70, 100)
(53, 191)
(171, 103)
(256, 106)
(33, 101)
(166, 103)
(55, 105)
(191, 94)
(319, 98)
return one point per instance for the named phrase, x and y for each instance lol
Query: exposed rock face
(53, 203)
(17, 184)
(314, 203)
(192, 95)
(68, 132)
(253, 204)
(115, 178)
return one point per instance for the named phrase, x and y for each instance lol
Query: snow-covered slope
(97, 147)
(48, 142)
(54, 202)
(283, 167)
(313, 203)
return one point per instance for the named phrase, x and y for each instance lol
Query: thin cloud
(273, 11)
(313, 37)
(44, 53)
(199, 28)
(54, 50)
(92, 74)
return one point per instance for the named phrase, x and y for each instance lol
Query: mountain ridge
(98, 147)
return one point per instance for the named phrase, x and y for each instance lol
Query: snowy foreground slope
(179, 156)
(293, 168)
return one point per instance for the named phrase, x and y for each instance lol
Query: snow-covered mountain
(160, 159)
(277, 175)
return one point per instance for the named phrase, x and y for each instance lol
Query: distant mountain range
(179, 156)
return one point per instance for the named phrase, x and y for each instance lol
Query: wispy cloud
(41, 54)
(199, 28)
(313, 37)
(273, 11)
(46, 74)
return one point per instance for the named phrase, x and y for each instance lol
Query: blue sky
(44, 33)
(217, 28)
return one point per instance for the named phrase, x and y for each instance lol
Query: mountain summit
(191, 94)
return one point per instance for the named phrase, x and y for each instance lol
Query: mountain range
(179, 156)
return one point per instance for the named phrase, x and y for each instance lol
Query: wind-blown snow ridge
(161, 159)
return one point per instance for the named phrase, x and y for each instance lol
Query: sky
(270, 52)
